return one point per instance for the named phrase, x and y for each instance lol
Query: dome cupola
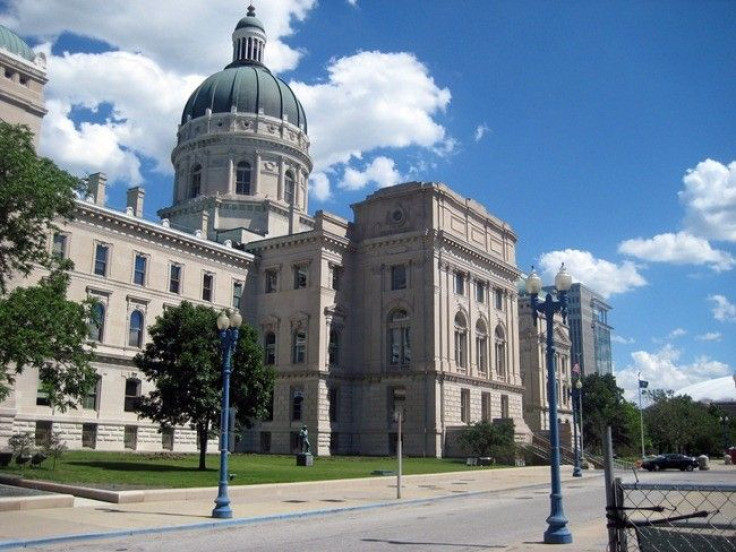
(242, 159)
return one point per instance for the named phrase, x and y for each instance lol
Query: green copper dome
(249, 89)
(250, 20)
(14, 44)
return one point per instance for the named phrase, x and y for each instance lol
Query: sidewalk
(74, 518)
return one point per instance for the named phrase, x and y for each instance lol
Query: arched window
(333, 348)
(500, 353)
(269, 346)
(299, 347)
(96, 326)
(195, 183)
(135, 334)
(399, 331)
(481, 346)
(461, 342)
(242, 178)
(289, 188)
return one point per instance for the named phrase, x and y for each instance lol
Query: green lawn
(129, 470)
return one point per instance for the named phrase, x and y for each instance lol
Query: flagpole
(641, 419)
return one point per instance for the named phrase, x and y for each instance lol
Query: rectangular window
(237, 294)
(480, 292)
(499, 299)
(167, 438)
(334, 400)
(102, 253)
(460, 283)
(465, 406)
(130, 437)
(58, 247)
(139, 273)
(485, 407)
(43, 433)
(208, 281)
(272, 281)
(42, 395)
(90, 399)
(300, 276)
(504, 406)
(337, 273)
(89, 435)
(132, 393)
(175, 278)
(398, 277)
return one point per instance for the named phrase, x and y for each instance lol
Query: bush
(22, 445)
(490, 439)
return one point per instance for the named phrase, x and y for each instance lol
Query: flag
(643, 384)
(576, 369)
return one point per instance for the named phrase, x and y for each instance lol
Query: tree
(603, 405)
(183, 359)
(41, 328)
(678, 424)
(33, 194)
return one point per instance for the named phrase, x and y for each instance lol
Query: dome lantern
(249, 40)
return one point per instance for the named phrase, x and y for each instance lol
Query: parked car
(670, 461)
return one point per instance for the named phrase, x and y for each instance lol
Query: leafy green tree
(34, 193)
(678, 424)
(183, 359)
(41, 328)
(603, 405)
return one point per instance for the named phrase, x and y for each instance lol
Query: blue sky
(603, 133)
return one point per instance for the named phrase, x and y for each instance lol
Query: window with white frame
(195, 183)
(135, 329)
(269, 347)
(500, 353)
(485, 406)
(132, 394)
(139, 269)
(242, 178)
(459, 283)
(59, 246)
(289, 188)
(237, 294)
(481, 346)
(461, 342)
(465, 406)
(301, 276)
(480, 292)
(175, 278)
(333, 347)
(498, 293)
(299, 346)
(272, 280)
(398, 277)
(399, 337)
(102, 258)
(208, 286)
(96, 325)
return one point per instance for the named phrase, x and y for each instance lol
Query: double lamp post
(557, 531)
(229, 330)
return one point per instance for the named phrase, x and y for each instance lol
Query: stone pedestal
(305, 459)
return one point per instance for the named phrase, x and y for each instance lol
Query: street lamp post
(229, 328)
(577, 470)
(557, 531)
(724, 427)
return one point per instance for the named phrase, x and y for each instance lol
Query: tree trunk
(202, 431)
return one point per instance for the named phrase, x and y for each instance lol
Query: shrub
(490, 439)
(22, 445)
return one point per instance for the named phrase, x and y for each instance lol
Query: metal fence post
(611, 512)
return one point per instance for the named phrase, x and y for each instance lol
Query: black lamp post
(228, 327)
(577, 387)
(557, 531)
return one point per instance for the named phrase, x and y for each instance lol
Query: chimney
(96, 184)
(135, 200)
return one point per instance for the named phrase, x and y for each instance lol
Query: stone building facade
(413, 306)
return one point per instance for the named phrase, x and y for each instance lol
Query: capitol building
(412, 305)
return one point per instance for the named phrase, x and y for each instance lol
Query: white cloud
(663, 370)
(678, 332)
(681, 248)
(319, 186)
(602, 276)
(709, 198)
(384, 100)
(135, 87)
(178, 35)
(724, 310)
(615, 338)
(710, 336)
(381, 171)
(480, 131)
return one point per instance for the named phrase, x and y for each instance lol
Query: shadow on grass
(139, 467)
